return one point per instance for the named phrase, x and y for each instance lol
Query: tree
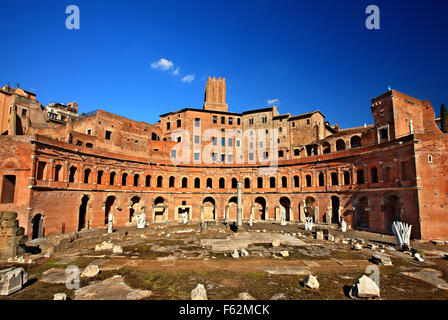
(443, 118)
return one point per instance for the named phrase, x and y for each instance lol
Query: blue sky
(307, 54)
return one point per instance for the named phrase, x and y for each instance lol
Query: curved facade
(69, 178)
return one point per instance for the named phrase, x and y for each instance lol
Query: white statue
(251, 219)
(283, 223)
(110, 223)
(343, 225)
(309, 223)
(184, 217)
(141, 219)
(402, 232)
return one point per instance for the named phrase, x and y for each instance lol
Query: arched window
(124, 179)
(346, 178)
(296, 182)
(272, 182)
(284, 182)
(326, 147)
(184, 182)
(148, 181)
(247, 183)
(197, 183)
(374, 175)
(112, 178)
(159, 181)
(100, 177)
(308, 180)
(334, 179)
(340, 145)
(57, 172)
(234, 183)
(136, 180)
(209, 183)
(171, 182)
(321, 180)
(355, 141)
(260, 182)
(222, 183)
(87, 175)
(360, 176)
(72, 175)
(296, 152)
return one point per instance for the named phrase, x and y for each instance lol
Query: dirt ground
(171, 264)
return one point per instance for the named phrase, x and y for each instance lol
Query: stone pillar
(240, 205)
(11, 236)
(302, 215)
(316, 214)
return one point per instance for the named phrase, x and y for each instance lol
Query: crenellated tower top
(215, 94)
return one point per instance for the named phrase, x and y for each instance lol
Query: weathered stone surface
(12, 280)
(418, 257)
(104, 246)
(113, 288)
(381, 259)
(245, 296)
(278, 296)
(91, 271)
(319, 235)
(244, 253)
(60, 296)
(199, 293)
(311, 282)
(365, 288)
(235, 254)
(357, 247)
(430, 276)
(54, 275)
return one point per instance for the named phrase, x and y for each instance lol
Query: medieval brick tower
(215, 95)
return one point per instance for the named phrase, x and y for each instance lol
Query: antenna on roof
(18, 85)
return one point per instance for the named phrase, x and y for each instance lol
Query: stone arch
(361, 212)
(234, 183)
(184, 182)
(148, 180)
(208, 209)
(171, 182)
(334, 178)
(296, 182)
(260, 209)
(310, 207)
(392, 210)
(72, 174)
(272, 182)
(309, 182)
(83, 213)
(87, 173)
(112, 178)
(246, 183)
(340, 145)
(133, 204)
(360, 176)
(37, 226)
(159, 182)
(355, 142)
(136, 180)
(58, 172)
(222, 183)
(335, 209)
(321, 179)
(284, 182)
(197, 183)
(374, 175)
(159, 201)
(209, 183)
(99, 177)
(231, 212)
(110, 200)
(260, 182)
(124, 179)
(285, 204)
(326, 147)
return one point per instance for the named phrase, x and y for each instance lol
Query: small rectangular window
(197, 122)
(108, 135)
(196, 139)
(215, 119)
(196, 156)
(223, 120)
(230, 120)
(238, 121)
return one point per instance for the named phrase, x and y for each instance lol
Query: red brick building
(64, 178)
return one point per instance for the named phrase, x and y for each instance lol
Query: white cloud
(176, 71)
(273, 101)
(188, 78)
(163, 64)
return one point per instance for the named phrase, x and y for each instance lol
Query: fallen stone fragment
(284, 253)
(311, 282)
(245, 296)
(278, 296)
(276, 243)
(12, 280)
(235, 254)
(357, 247)
(319, 235)
(199, 293)
(113, 288)
(244, 253)
(365, 288)
(60, 296)
(104, 246)
(381, 259)
(117, 249)
(438, 242)
(330, 237)
(371, 246)
(91, 271)
(418, 257)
